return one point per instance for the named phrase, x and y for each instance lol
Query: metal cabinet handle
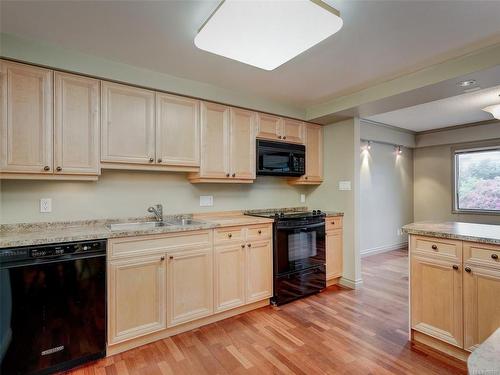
(46, 168)
(227, 174)
(455, 267)
(434, 247)
(59, 169)
(494, 256)
(249, 245)
(234, 174)
(284, 137)
(279, 136)
(230, 235)
(305, 177)
(468, 270)
(333, 222)
(259, 231)
(159, 160)
(162, 259)
(151, 160)
(243, 246)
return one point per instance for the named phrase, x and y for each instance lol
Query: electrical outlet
(46, 205)
(206, 200)
(302, 198)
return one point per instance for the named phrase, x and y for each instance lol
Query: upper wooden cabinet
(27, 119)
(128, 124)
(227, 145)
(177, 130)
(314, 157)
(279, 129)
(76, 125)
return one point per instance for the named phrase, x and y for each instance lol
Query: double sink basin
(145, 225)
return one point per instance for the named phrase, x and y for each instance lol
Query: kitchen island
(454, 285)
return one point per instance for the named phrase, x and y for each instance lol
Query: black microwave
(280, 159)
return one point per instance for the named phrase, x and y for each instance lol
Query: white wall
(386, 197)
(120, 194)
(341, 163)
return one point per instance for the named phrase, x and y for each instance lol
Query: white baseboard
(383, 249)
(351, 284)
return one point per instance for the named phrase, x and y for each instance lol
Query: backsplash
(119, 194)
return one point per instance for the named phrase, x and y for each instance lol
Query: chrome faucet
(157, 211)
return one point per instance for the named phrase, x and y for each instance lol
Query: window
(477, 180)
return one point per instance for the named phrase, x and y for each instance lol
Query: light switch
(344, 185)
(46, 205)
(206, 200)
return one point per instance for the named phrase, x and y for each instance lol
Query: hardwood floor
(339, 331)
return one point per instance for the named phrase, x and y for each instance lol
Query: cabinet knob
(249, 245)
(230, 235)
(162, 259)
(243, 246)
(434, 247)
(46, 168)
(333, 222)
(468, 270)
(227, 174)
(284, 137)
(279, 136)
(455, 267)
(234, 174)
(59, 169)
(494, 256)
(151, 160)
(171, 257)
(259, 231)
(305, 177)
(159, 160)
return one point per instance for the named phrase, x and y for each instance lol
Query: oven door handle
(303, 228)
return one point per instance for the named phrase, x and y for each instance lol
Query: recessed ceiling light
(468, 83)
(266, 34)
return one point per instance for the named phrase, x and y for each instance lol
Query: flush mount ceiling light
(264, 33)
(494, 110)
(468, 83)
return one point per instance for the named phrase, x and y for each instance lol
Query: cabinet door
(128, 126)
(177, 130)
(334, 254)
(259, 272)
(436, 299)
(269, 127)
(314, 152)
(214, 141)
(27, 124)
(293, 131)
(136, 297)
(242, 144)
(481, 304)
(229, 277)
(76, 125)
(190, 286)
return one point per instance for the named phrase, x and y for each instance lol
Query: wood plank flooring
(339, 331)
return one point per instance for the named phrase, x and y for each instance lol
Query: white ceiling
(380, 39)
(456, 110)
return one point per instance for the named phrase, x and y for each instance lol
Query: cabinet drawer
(223, 235)
(333, 222)
(259, 232)
(440, 247)
(482, 254)
(150, 244)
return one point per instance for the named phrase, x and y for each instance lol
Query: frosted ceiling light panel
(267, 33)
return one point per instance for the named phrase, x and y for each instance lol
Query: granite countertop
(485, 359)
(485, 233)
(14, 235)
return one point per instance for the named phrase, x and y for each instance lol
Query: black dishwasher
(52, 306)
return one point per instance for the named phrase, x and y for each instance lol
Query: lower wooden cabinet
(190, 288)
(259, 270)
(137, 291)
(436, 299)
(229, 276)
(334, 254)
(481, 304)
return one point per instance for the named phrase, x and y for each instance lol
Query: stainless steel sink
(139, 225)
(184, 222)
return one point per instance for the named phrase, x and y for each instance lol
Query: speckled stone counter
(484, 233)
(485, 359)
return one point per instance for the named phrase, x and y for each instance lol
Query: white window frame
(465, 149)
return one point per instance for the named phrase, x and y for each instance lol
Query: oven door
(299, 247)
